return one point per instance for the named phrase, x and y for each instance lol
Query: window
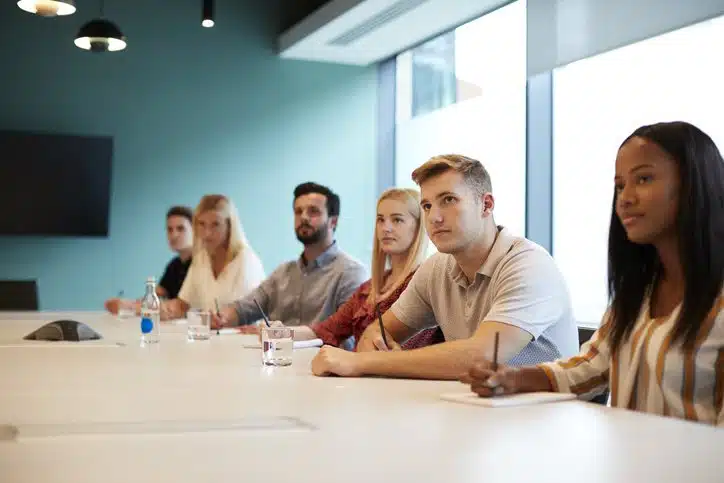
(597, 103)
(465, 92)
(433, 74)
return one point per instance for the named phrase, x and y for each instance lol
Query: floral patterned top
(356, 314)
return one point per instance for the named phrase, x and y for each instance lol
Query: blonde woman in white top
(660, 348)
(224, 266)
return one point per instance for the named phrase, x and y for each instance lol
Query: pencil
(266, 319)
(218, 314)
(495, 351)
(382, 326)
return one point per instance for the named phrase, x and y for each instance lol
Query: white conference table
(104, 412)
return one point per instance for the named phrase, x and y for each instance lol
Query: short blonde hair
(415, 254)
(237, 239)
(472, 170)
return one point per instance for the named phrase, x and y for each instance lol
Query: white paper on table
(298, 344)
(303, 344)
(509, 400)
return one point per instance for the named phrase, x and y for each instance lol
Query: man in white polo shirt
(483, 280)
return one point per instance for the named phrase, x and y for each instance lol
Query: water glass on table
(277, 345)
(126, 312)
(126, 308)
(198, 324)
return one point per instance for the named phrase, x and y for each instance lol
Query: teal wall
(192, 111)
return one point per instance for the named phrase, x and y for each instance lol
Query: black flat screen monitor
(55, 184)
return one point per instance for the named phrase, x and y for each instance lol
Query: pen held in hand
(382, 326)
(495, 351)
(266, 319)
(218, 314)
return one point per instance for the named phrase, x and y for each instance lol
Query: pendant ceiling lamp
(48, 8)
(207, 14)
(100, 35)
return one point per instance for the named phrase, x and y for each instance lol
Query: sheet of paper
(522, 399)
(303, 344)
(298, 344)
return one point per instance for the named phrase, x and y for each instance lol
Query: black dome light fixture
(207, 15)
(48, 8)
(100, 35)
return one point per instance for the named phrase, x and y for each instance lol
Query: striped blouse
(649, 374)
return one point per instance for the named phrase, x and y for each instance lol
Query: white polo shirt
(518, 284)
(201, 289)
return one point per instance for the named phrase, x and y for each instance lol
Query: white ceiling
(362, 32)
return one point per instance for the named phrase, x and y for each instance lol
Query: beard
(312, 238)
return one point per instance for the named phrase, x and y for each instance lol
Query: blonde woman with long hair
(224, 266)
(400, 244)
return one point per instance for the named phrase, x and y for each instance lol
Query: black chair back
(583, 335)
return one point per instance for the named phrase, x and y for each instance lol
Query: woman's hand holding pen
(223, 318)
(372, 340)
(490, 378)
(485, 381)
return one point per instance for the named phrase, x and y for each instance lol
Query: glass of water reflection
(277, 345)
(198, 324)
